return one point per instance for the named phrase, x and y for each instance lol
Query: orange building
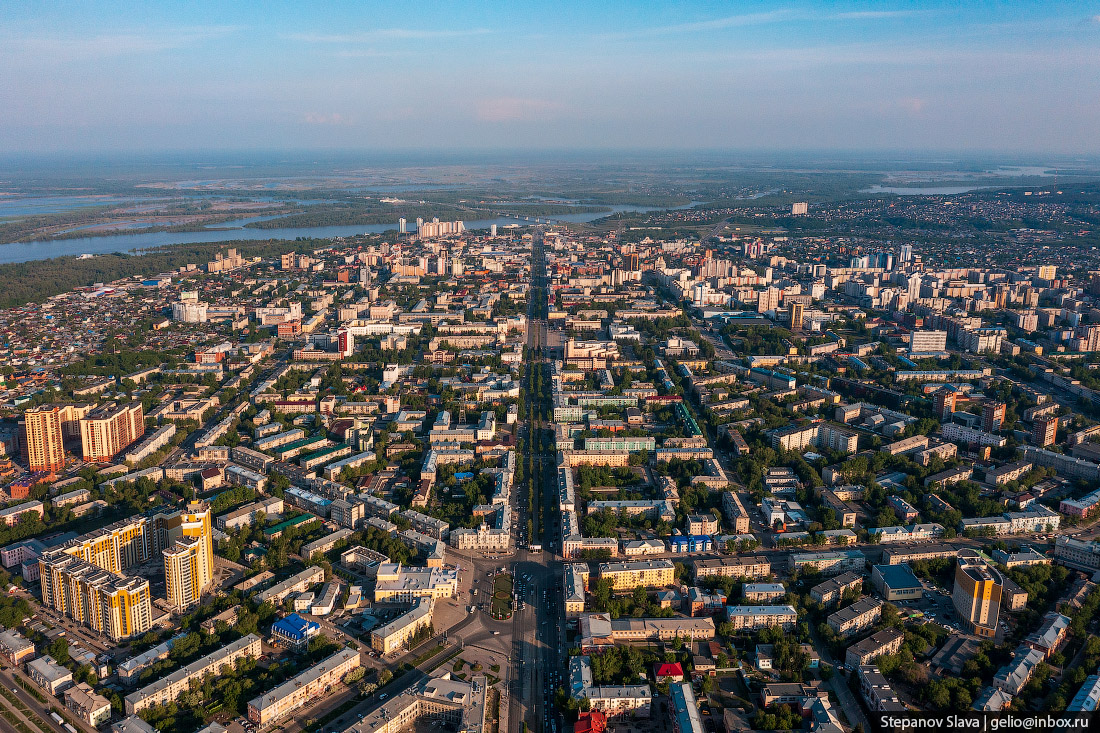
(107, 431)
(42, 439)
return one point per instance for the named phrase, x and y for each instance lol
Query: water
(56, 204)
(47, 249)
(922, 190)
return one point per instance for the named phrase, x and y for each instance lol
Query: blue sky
(1009, 77)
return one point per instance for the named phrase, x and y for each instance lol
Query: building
(296, 583)
(993, 416)
(189, 562)
(684, 710)
(110, 603)
(1087, 698)
(575, 580)
(294, 632)
(167, 689)
(270, 507)
(733, 567)
(899, 555)
(877, 692)
(1044, 431)
(107, 431)
(314, 682)
(1050, 635)
(887, 641)
(15, 647)
(1077, 554)
(829, 563)
(735, 512)
(49, 675)
(896, 583)
(398, 584)
(397, 634)
(599, 631)
(852, 619)
(927, 342)
(832, 590)
(42, 439)
(632, 573)
(1012, 677)
(977, 594)
(702, 524)
(92, 708)
(750, 618)
(757, 592)
(454, 703)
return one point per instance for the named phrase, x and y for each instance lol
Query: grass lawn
(501, 605)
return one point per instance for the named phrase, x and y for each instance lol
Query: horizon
(924, 78)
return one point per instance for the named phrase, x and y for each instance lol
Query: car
(383, 696)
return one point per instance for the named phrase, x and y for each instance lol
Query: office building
(977, 594)
(107, 431)
(42, 439)
(896, 583)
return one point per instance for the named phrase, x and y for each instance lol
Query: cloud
(415, 34)
(764, 18)
(68, 48)
(516, 109)
(334, 119)
(729, 21)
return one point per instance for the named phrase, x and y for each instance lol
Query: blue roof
(899, 577)
(294, 626)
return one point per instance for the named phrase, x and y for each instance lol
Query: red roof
(669, 670)
(590, 722)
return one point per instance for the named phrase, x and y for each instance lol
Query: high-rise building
(944, 402)
(977, 594)
(189, 561)
(800, 208)
(42, 439)
(993, 416)
(1048, 272)
(345, 342)
(797, 311)
(1044, 430)
(401, 225)
(492, 230)
(107, 430)
(110, 603)
(906, 253)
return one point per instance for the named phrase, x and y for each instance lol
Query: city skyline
(826, 76)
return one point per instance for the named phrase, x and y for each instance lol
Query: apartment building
(632, 573)
(757, 592)
(829, 563)
(735, 513)
(750, 618)
(313, 683)
(42, 439)
(832, 590)
(854, 618)
(106, 431)
(397, 633)
(887, 641)
(167, 689)
(294, 584)
(733, 567)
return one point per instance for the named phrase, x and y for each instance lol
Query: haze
(568, 75)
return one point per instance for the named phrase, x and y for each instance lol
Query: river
(227, 232)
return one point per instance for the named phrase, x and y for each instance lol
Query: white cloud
(371, 36)
(70, 48)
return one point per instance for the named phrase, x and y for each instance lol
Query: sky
(1018, 77)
